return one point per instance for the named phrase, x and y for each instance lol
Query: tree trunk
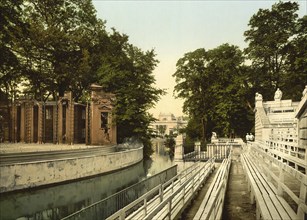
(204, 128)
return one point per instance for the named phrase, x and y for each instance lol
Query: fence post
(161, 192)
(145, 206)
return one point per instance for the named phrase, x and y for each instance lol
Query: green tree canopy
(60, 45)
(211, 83)
(130, 77)
(277, 49)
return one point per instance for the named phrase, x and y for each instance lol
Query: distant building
(282, 126)
(168, 124)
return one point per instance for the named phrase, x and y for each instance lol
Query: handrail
(218, 194)
(299, 200)
(169, 199)
(118, 193)
(161, 191)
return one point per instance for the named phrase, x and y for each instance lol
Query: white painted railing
(175, 193)
(212, 204)
(265, 161)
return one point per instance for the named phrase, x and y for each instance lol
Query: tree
(11, 28)
(56, 54)
(277, 45)
(170, 143)
(211, 84)
(130, 78)
(296, 62)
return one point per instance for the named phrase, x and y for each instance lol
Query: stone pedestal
(179, 148)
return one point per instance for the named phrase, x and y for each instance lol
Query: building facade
(282, 126)
(168, 124)
(63, 121)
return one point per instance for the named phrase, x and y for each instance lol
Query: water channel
(58, 201)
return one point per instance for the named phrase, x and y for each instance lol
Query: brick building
(63, 121)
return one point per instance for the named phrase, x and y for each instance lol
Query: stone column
(31, 122)
(14, 123)
(197, 149)
(60, 121)
(69, 119)
(55, 124)
(179, 148)
(22, 122)
(87, 125)
(40, 123)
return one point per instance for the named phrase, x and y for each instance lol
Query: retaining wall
(33, 174)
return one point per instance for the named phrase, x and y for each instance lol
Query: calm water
(58, 201)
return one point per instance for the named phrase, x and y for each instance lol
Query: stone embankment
(38, 173)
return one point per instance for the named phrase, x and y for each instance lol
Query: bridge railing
(145, 208)
(108, 206)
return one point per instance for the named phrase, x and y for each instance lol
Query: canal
(58, 201)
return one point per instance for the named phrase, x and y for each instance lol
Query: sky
(173, 28)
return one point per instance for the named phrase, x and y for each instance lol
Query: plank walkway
(192, 209)
(237, 205)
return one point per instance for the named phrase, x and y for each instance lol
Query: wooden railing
(108, 206)
(265, 163)
(212, 204)
(168, 200)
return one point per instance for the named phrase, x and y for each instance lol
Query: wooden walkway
(168, 200)
(237, 205)
(240, 188)
(190, 211)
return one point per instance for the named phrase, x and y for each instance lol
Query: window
(48, 113)
(104, 120)
(83, 114)
(83, 133)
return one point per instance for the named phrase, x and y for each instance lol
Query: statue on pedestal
(258, 97)
(214, 137)
(278, 95)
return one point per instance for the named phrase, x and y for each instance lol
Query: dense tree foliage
(53, 46)
(11, 28)
(211, 82)
(131, 79)
(219, 87)
(277, 48)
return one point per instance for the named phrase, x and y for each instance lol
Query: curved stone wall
(27, 175)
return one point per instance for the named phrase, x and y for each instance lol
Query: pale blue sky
(173, 28)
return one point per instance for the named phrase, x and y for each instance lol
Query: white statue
(251, 137)
(258, 97)
(213, 137)
(278, 95)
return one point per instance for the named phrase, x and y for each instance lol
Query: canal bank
(24, 175)
(56, 202)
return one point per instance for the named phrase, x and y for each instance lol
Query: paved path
(237, 204)
(7, 148)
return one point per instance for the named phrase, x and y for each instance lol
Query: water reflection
(58, 201)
